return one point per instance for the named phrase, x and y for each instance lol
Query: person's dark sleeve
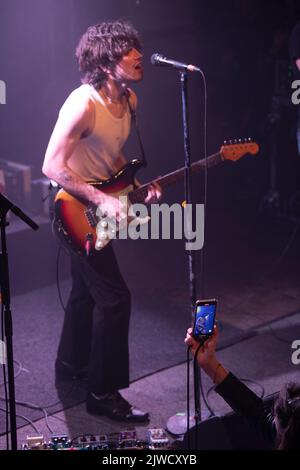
(245, 402)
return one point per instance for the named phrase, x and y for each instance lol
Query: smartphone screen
(205, 312)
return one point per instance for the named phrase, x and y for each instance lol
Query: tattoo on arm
(65, 177)
(75, 185)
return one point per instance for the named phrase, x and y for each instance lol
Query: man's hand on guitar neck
(113, 208)
(154, 191)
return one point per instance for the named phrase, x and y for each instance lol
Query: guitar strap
(134, 120)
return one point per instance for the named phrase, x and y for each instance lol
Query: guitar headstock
(235, 149)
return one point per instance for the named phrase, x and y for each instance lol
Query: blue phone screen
(205, 319)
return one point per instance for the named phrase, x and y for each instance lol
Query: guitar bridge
(91, 216)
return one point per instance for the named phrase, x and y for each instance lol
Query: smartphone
(204, 318)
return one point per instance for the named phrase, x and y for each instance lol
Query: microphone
(159, 59)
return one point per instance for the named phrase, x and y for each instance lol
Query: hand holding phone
(204, 318)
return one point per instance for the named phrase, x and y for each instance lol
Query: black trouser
(95, 330)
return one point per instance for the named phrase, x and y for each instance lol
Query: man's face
(130, 66)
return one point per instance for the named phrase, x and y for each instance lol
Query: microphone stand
(5, 206)
(175, 423)
(191, 254)
(188, 182)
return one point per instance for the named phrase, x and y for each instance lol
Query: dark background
(236, 43)
(241, 45)
(251, 248)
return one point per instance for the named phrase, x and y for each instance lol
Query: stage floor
(251, 266)
(264, 360)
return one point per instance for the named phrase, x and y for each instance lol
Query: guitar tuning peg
(249, 139)
(235, 141)
(225, 142)
(230, 142)
(240, 141)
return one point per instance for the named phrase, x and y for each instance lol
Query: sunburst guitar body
(80, 224)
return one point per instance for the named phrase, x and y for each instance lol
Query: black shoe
(65, 372)
(115, 407)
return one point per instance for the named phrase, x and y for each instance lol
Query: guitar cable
(33, 406)
(202, 259)
(59, 250)
(202, 267)
(206, 397)
(201, 277)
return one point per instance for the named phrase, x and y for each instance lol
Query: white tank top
(96, 156)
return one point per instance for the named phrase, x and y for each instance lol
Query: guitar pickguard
(108, 228)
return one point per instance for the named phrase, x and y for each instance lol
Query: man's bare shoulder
(78, 111)
(79, 103)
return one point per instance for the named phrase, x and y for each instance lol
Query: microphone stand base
(177, 424)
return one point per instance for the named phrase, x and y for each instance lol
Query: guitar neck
(139, 194)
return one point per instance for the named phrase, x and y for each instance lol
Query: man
(86, 144)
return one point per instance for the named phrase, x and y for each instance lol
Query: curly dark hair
(287, 411)
(102, 46)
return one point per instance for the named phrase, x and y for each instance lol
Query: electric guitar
(80, 225)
